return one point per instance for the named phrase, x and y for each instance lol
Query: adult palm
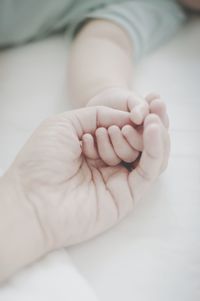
(75, 198)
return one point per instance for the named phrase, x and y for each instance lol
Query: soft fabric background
(154, 254)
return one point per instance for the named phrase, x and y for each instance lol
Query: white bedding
(154, 254)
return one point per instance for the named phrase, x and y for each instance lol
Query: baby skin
(79, 174)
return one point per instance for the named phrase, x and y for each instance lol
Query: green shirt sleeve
(149, 23)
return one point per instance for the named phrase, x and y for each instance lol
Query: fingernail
(139, 111)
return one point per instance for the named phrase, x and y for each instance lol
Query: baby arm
(101, 58)
(111, 38)
(107, 50)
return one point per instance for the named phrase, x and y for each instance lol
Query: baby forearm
(101, 57)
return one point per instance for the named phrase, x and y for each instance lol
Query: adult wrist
(21, 237)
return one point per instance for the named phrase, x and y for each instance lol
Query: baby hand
(126, 100)
(111, 146)
(129, 138)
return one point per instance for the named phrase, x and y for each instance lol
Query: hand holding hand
(65, 186)
(73, 188)
(132, 136)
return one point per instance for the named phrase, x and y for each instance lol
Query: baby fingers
(113, 147)
(89, 147)
(138, 107)
(158, 107)
(120, 145)
(133, 137)
(105, 148)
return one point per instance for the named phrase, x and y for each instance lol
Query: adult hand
(66, 187)
(75, 194)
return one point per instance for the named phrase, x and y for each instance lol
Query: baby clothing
(148, 22)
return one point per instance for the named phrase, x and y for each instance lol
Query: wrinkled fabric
(148, 22)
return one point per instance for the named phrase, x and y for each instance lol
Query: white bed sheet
(154, 254)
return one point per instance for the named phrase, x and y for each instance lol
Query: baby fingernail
(139, 111)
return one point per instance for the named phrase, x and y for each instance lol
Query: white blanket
(53, 278)
(154, 254)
